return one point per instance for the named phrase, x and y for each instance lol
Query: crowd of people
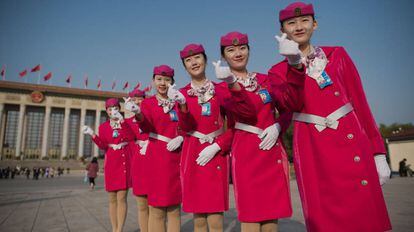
(32, 173)
(174, 151)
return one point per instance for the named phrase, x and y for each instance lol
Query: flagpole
(38, 76)
(5, 70)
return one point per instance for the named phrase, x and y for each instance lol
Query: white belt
(118, 146)
(159, 137)
(321, 123)
(206, 137)
(248, 128)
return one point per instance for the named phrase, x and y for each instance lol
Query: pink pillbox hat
(136, 93)
(111, 102)
(234, 38)
(190, 50)
(296, 9)
(164, 70)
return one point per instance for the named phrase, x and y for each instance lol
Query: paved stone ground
(66, 204)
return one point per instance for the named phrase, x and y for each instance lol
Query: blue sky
(126, 39)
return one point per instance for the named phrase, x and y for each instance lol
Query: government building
(42, 122)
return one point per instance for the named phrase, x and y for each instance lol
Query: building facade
(44, 122)
(401, 146)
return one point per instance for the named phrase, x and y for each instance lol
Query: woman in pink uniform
(139, 161)
(203, 108)
(114, 138)
(159, 118)
(339, 153)
(260, 165)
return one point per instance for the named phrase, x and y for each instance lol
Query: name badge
(173, 116)
(206, 109)
(115, 134)
(324, 80)
(265, 96)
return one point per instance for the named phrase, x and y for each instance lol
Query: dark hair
(94, 160)
(281, 22)
(172, 78)
(223, 47)
(203, 53)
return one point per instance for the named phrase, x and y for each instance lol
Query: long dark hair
(94, 160)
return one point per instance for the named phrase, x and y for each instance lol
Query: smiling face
(161, 84)
(300, 29)
(236, 56)
(111, 110)
(137, 100)
(195, 65)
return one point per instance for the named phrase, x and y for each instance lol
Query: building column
(22, 112)
(97, 121)
(64, 148)
(81, 135)
(45, 137)
(2, 129)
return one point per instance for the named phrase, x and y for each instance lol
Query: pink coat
(163, 166)
(117, 162)
(140, 172)
(261, 178)
(205, 188)
(335, 169)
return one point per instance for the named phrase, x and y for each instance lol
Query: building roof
(403, 135)
(59, 90)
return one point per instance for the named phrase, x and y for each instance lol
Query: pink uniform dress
(261, 177)
(334, 163)
(205, 188)
(164, 165)
(117, 161)
(140, 171)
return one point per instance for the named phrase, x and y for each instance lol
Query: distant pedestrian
(92, 172)
(402, 170)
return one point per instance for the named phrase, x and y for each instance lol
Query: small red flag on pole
(125, 85)
(69, 80)
(23, 73)
(3, 72)
(86, 81)
(36, 68)
(113, 84)
(47, 76)
(99, 84)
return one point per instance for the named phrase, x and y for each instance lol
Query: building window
(55, 133)
(87, 140)
(34, 132)
(10, 133)
(73, 136)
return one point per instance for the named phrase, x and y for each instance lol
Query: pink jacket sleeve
(101, 143)
(356, 93)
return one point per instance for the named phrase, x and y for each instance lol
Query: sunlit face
(137, 100)
(195, 65)
(300, 29)
(111, 110)
(237, 56)
(161, 83)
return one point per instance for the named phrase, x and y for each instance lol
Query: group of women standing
(175, 149)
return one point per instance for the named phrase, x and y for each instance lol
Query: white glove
(383, 169)
(117, 115)
(289, 49)
(143, 145)
(175, 143)
(131, 106)
(175, 95)
(223, 73)
(269, 136)
(207, 154)
(87, 130)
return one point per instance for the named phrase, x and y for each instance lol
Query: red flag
(137, 86)
(86, 81)
(69, 79)
(36, 68)
(99, 84)
(113, 85)
(125, 85)
(48, 76)
(3, 72)
(23, 73)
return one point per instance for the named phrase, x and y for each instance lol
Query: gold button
(123, 155)
(350, 136)
(336, 93)
(124, 171)
(277, 144)
(357, 159)
(364, 182)
(279, 161)
(215, 122)
(218, 167)
(123, 163)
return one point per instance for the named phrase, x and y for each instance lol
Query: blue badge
(115, 134)
(173, 116)
(206, 109)
(324, 80)
(265, 96)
